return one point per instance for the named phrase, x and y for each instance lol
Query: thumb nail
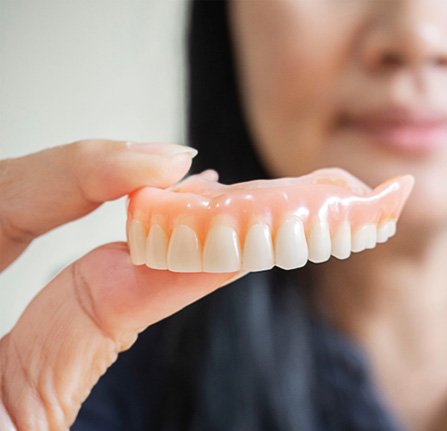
(166, 150)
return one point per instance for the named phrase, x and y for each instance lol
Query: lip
(410, 131)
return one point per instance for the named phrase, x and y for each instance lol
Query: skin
(302, 65)
(75, 327)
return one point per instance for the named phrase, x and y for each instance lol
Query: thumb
(75, 327)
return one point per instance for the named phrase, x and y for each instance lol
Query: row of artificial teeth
(222, 251)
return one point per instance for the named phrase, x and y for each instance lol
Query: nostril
(391, 60)
(440, 61)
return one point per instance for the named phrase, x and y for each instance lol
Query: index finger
(52, 187)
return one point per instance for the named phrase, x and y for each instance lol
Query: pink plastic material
(329, 194)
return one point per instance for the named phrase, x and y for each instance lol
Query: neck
(393, 302)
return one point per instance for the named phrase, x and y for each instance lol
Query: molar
(183, 251)
(156, 248)
(365, 237)
(137, 239)
(319, 242)
(258, 249)
(222, 251)
(290, 244)
(386, 230)
(341, 241)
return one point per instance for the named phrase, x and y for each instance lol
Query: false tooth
(137, 239)
(183, 250)
(258, 249)
(386, 230)
(319, 242)
(222, 252)
(392, 227)
(364, 238)
(371, 236)
(341, 241)
(156, 248)
(290, 244)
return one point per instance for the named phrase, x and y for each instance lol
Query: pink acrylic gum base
(201, 203)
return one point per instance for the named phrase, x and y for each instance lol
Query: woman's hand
(74, 328)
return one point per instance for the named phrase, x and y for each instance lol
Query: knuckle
(84, 297)
(14, 233)
(92, 164)
(84, 163)
(8, 228)
(85, 149)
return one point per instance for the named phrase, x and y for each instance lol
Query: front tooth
(386, 230)
(341, 242)
(137, 239)
(258, 249)
(290, 244)
(319, 242)
(364, 238)
(222, 251)
(156, 248)
(184, 251)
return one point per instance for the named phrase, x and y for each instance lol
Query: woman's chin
(426, 209)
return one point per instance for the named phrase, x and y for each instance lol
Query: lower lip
(407, 137)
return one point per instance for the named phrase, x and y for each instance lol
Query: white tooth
(371, 235)
(386, 230)
(364, 238)
(358, 242)
(222, 251)
(184, 251)
(341, 241)
(382, 232)
(290, 244)
(391, 228)
(156, 248)
(137, 239)
(258, 249)
(319, 242)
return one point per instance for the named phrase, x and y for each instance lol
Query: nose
(406, 33)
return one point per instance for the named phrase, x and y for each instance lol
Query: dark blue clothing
(130, 396)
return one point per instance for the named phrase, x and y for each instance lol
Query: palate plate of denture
(201, 225)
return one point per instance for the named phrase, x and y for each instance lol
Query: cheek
(289, 85)
(289, 109)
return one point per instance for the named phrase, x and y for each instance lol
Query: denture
(201, 225)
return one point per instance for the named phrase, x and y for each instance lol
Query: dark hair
(216, 125)
(242, 354)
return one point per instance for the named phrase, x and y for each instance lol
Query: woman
(278, 88)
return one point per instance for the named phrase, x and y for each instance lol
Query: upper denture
(261, 223)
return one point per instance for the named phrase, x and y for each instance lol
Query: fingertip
(107, 170)
(170, 171)
(130, 297)
(210, 175)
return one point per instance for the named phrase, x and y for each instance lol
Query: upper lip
(396, 117)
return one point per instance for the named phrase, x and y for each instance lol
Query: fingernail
(167, 150)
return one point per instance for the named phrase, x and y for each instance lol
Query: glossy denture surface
(202, 225)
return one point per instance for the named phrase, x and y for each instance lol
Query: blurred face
(359, 84)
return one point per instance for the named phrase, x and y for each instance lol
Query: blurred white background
(80, 69)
